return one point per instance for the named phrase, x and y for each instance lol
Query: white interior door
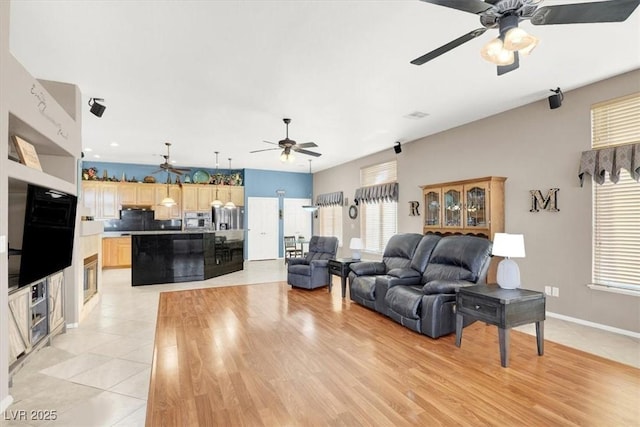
(262, 228)
(297, 221)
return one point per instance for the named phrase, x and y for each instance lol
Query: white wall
(536, 149)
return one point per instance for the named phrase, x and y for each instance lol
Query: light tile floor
(98, 374)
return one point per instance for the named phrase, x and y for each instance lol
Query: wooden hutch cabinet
(474, 206)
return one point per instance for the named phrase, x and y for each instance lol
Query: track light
(555, 100)
(397, 148)
(96, 108)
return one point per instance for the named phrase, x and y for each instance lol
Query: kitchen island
(184, 256)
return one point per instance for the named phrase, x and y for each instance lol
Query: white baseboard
(4, 404)
(594, 325)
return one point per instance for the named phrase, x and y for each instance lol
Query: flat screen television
(47, 240)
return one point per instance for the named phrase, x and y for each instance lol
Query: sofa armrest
(444, 286)
(404, 273)
(368, 268)
(295, 261)
(319, 263)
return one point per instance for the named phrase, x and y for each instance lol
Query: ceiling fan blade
(471, 6)
(449, 46)
(504, 69)
(266, 149)
(307, 145)
(269, 142)
(307, 152)
(585, 13)
(176, 171)
(156, 171)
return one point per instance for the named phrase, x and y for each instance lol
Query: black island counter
(184, 256)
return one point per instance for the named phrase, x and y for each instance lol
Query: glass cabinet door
(452, 206)
(476, 209)
(432, 208)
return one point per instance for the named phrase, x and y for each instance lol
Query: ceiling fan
(287, 145)
(504, 51)
(167, 167)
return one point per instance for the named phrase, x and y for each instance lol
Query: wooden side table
(505, 308)
(340, 267)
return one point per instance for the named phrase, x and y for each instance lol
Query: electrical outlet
(555, 291)
(547, 290)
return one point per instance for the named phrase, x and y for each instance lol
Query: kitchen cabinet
(116, 252)
(205, 197)
(127, 194)
(146, 194)
(474, 206)
(101, 198)
(197, 197)
(237, 195)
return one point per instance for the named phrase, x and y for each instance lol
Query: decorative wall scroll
(414, 208)
(550, 203)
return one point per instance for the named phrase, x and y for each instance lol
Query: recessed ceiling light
(97, 156)
(416, 115)
(88, 150)
(114, 144)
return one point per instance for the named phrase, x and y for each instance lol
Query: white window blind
(330, 218)
(378, 220)
(616, 212)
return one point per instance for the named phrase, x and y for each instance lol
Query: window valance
(611, 160)
(330, 199)
(377, 193)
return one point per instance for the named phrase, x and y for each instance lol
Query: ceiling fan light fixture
(518, 39)
(527, 50)
(495, 53)
(287, 156)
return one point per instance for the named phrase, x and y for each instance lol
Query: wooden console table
(505, 308)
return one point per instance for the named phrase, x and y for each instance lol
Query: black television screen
(47, 240)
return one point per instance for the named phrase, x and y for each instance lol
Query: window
(330, 219)
(378, 219)
(616, 217)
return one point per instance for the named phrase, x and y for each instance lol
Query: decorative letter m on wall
(549, 203)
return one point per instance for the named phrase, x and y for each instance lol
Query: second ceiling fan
(504, 51)
(288, 145)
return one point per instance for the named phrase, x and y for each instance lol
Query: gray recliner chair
(312, 271)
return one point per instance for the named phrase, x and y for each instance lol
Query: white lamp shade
(355, 244)
(508, 245)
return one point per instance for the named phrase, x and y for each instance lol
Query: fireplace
(90, 277)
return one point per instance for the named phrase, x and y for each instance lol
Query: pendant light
(217, 202)
(229, 204)
(310, 208)
(168, 201)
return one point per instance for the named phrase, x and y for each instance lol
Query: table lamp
(508, 246)
(356, 246)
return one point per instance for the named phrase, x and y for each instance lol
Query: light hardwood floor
(271, 355)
